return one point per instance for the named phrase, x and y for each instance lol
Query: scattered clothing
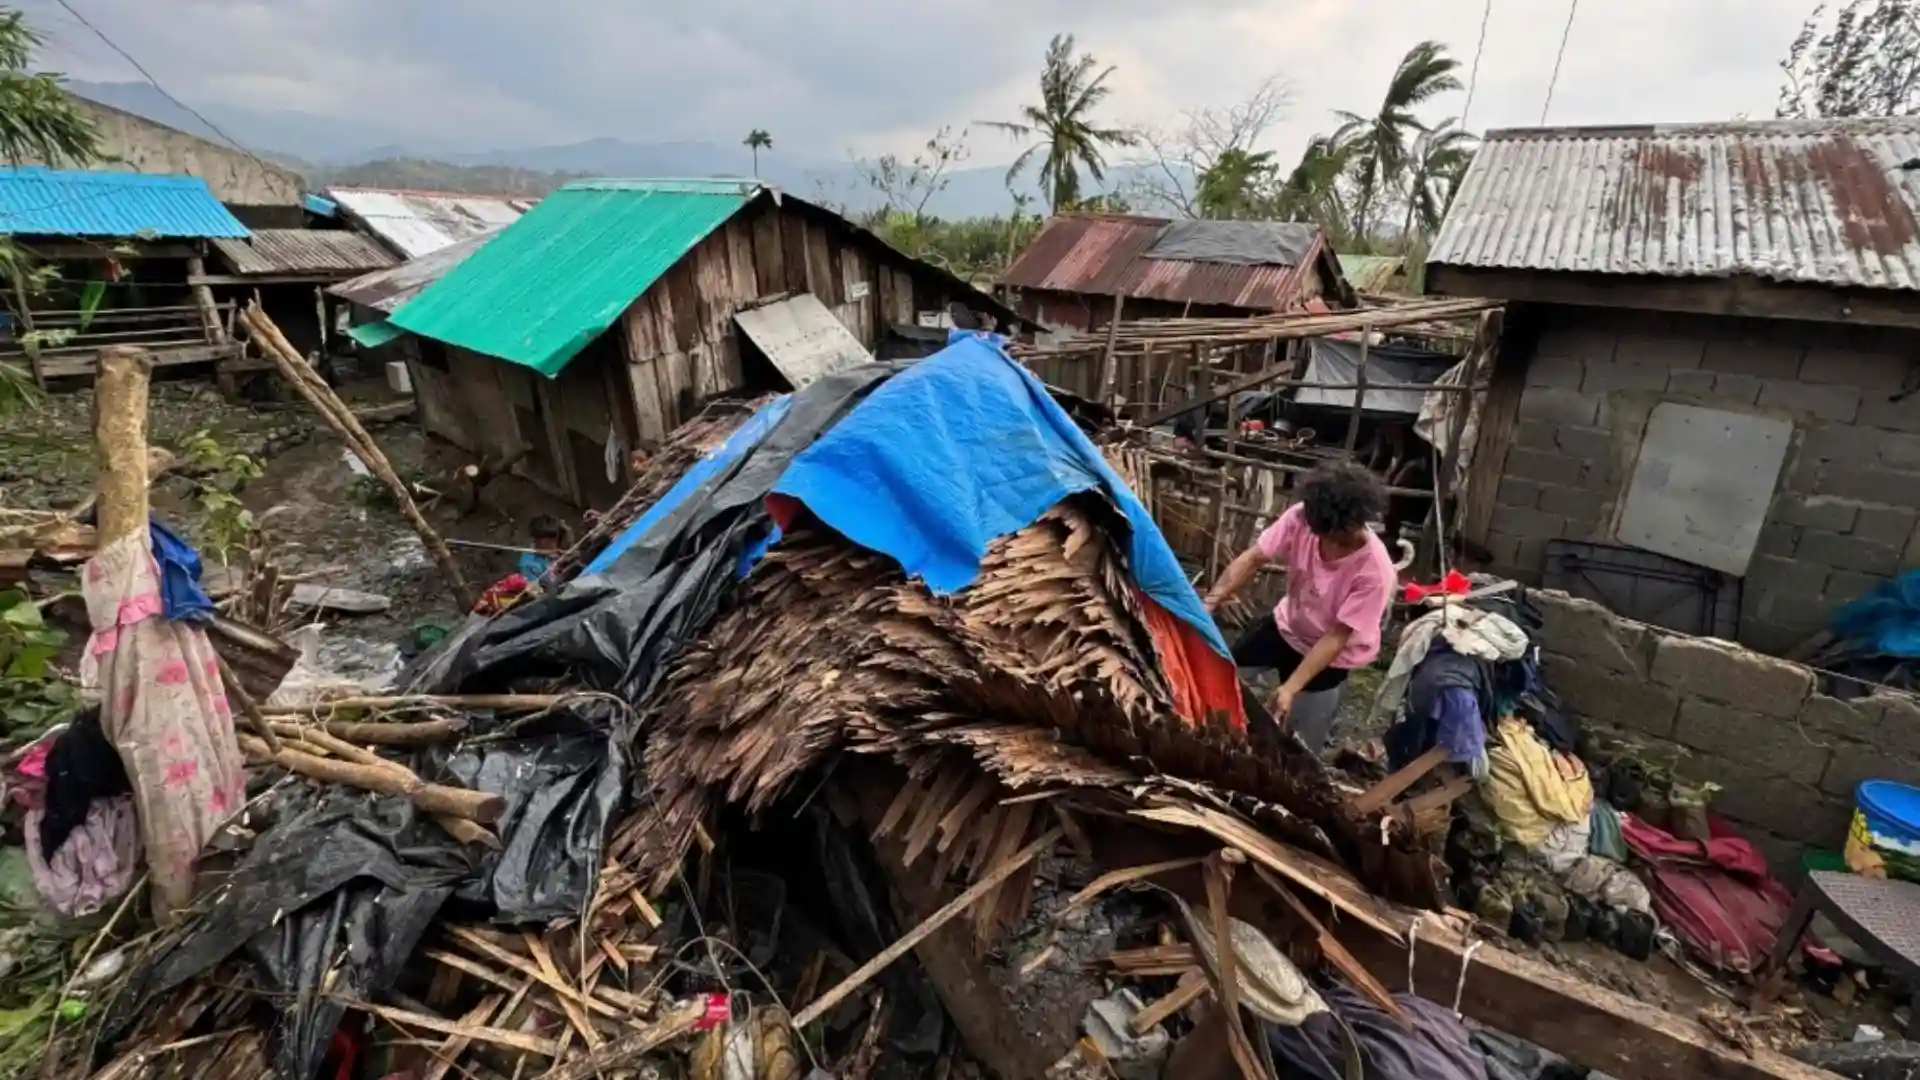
(180, 592)
(1606, 882)
(81, 768)
(502, 595)
(1716, 895)
(1604, 832)
(1530, 788)
(96, 862)
(1470, 632)
(1433, 1044)
(1352, 591)
(165, 709)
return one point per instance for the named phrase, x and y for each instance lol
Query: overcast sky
(828, 76)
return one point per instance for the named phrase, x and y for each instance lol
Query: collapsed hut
(825, 755)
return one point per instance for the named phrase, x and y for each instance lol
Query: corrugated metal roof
(1371, 273)
(385, 290)
(416, 223)
(1823, 201)
(551, 282)
(1104, 255)
(802, 339)
(48, 202)
(317, 252)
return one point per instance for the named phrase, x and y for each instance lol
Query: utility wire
(164, 92)
(1473, 78)
(1572, 6)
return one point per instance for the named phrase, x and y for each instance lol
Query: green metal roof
(372, 335)
(1371, 273)
(554, 280)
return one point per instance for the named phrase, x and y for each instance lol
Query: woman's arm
(1238, 571)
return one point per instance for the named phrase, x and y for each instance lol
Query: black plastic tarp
(1237, 243)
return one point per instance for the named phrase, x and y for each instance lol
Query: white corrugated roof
(416, 223)
(1830, 201)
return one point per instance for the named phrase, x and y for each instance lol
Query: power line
(164, 92)
(1572, 6)
(1473, 78)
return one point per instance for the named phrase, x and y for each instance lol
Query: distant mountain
(327, 150)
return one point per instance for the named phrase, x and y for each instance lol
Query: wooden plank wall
(680, 340)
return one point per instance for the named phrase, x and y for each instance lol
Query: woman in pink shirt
(1340, 580)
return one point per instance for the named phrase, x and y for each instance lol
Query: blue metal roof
(47, 202)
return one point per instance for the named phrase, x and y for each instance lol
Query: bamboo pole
(120, 437)
(308, 383)
(1359, 392)
(475, 806)
(1103, 393)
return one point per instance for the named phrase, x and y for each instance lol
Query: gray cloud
(873, 74)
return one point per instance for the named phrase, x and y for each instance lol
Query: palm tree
(1380, 142)
(1068, 133)
(1438, 160)
(756, 141)
(1311, 192)
(1232, 186)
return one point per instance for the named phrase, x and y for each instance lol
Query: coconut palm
(1435, 164)
(1235, 184)
(1311, 192)
(1068, 134)
(1381, 142)
(756, 141)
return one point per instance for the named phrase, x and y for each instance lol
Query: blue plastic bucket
(1888, 813)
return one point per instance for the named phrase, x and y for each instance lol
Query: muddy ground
(325, 523)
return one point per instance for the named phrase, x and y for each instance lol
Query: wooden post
(1220, 493)
(120, 436)
(1359, 390)
(1103, 392)
(203, 299)
(1484, 347)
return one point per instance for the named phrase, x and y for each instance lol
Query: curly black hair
(1339, 497)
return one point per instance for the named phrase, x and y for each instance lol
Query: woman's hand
(1282, 703)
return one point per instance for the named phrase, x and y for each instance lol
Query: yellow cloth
(1530, 788)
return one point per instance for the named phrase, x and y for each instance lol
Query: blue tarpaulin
(959, 449)
(1886, 620)
(744, 438)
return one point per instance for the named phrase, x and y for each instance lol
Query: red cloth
(1717, 896)
(1203, 681)
(501, 595)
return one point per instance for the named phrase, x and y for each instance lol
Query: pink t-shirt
(1352, 591)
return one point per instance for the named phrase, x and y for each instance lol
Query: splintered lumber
(513, 1040)
(1380, 795)
(395, 703)
(398, 733)
(120, 438)
(628, 1047)
(1594, 1027)
(311, 386)
(988, 882)
(248, 706)
(1192, 987)
(390, 778)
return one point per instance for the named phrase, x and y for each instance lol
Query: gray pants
(1313, 713)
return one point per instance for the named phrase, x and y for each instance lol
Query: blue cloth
(532, 566)
(181, 596)
(744, 438)
(959, 449)
(1457, 725)
(1886, 620)
(1604, 838)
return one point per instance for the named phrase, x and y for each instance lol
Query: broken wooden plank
(513, 1040)
(1377, 797)
(1192, 986)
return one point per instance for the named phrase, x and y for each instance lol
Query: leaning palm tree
(756, 141)
(1311, 192)
(1235, 184)
(1381, 141)
(1436, 163)
(1068, 133)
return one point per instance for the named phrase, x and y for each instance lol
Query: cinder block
(1588, 444)
(1762, 356)
(1536, 435)
(1798, 811)
(1902, 415)
(1856, 364)
(1660, 345)
(1896, 449)
(1773, 574)
(1798, 616)
(1804, 473)
(1837, 403)
(1545, 467)
(1744, 389)
(1720, 671)
(1527, 523)
(1888, 487)
(1561, 371)
(1558, 406)
(1625, 701)
(1771, 746)
(1848, 443)
(1816, 512)
(1847, 552)
(1845, 585)
(1517, 492)
(1691, 383)
(1897, 730)
(1777, 540)
(1853, 762)
(1578, 506)
(1829, 718)
(1591, 634)
(1889, 525)
(1624, 377)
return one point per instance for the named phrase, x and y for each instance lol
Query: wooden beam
(1591, 1026)
(1744, 297)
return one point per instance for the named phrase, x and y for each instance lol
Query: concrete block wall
(1845, 513)
(1786, 756)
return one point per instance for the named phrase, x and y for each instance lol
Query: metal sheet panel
(802, 338)
(1822, 201)
(1106, 255)
(547, 285)
(386, 290)
(1702, 485)
(415, 223)
(303, 251)
(49, 202)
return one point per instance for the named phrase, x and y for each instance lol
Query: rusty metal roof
(313, 252)
(385, 290)
(414, 223)
(1105, 255)
(1829, 202)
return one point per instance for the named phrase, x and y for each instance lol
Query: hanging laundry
(95, 863)
(165, 710)
(1468, 631)
(1530, 788)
